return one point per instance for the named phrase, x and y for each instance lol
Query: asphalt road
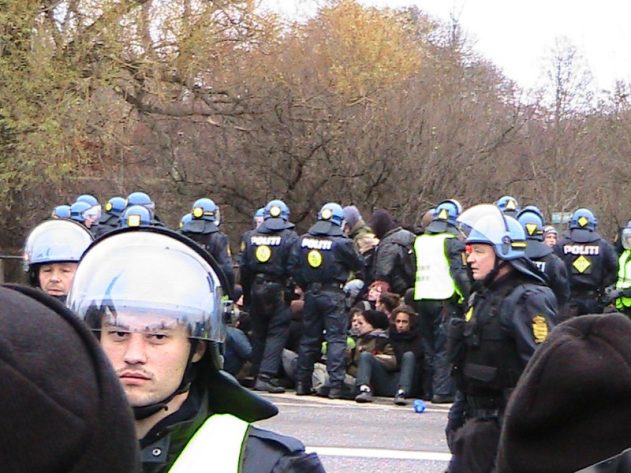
(376, 437)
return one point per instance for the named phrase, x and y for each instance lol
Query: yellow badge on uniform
(581, 264)
(242, 246)
(539, 328)
(263, 253)
(468, 314)
(314, 258)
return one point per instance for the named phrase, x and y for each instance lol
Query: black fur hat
(572, 405)
(62, 407)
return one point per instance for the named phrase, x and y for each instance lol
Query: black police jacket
(553, 267)
(266, 251)
(503, 325)
(208, 236)
(591, 262)
(324, 255)
(265, 451)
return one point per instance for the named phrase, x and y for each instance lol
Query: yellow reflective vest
(433, 278)
(217, 446)
(624, 279)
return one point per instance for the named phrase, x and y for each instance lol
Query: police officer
(321, 262)
(590, 261)
(110, 219)
(620, 292)
(440, 288)
(544, 257)
(61, 211)
(508, 205)
(51, 254)
(506, 319)
(264, 273)
(203, 228)
(154, 300)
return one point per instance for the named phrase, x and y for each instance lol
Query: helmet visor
(144, 281)
(56, 241)
(626, 238)
(468, 219)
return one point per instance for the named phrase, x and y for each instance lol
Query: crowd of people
(354, 308)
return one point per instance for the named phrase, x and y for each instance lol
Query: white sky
(518, 35)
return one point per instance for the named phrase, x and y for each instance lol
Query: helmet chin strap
(142, 412)
(499, 264)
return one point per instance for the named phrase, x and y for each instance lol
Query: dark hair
(406, 309)
(390, 300)
(376, 318)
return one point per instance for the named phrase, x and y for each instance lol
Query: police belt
(262, 278)
(325, 286)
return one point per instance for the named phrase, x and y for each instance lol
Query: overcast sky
(518, 35)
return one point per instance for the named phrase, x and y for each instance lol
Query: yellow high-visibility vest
(433, 278)
(217, 446)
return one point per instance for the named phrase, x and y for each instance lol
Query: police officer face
(150, 363)
(481, 260)
(56, 278)
(402, 322)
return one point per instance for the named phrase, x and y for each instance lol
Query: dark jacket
(406, 342)
(393, 260)
(264, 452)
(376, 343)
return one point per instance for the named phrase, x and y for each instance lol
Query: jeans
(383, 382)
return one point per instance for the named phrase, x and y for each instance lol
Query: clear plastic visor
(56, 240)
(486, 219)
(626, 238)
(143, 282)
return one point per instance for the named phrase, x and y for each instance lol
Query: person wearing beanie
(372, 343)
(356, 229)
(63, 409)
(154, 299)
(392, 260)
(509, 315)
(571, 408)
(550, 235)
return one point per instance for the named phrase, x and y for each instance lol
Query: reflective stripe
(216, 446)
(624, 279)
(433, 278)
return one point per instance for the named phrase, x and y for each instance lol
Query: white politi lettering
(259, 240)
(581, 249)
(541, 265)
(316, 244)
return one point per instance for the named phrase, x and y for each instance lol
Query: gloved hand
(611, 294)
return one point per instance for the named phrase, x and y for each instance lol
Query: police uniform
(208, 236)
(503, 325)
(553, 267)
(321, 262)
(204, 436)
(591, 264)
(440, 288)
(264, 276)
(506, 319)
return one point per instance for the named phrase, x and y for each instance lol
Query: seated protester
(375, 290)
(387, 302)
(405, 338)
(237, 346)
(373, 353)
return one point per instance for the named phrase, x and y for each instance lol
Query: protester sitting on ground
(373, 349)
(405, 338)
(387, 302)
